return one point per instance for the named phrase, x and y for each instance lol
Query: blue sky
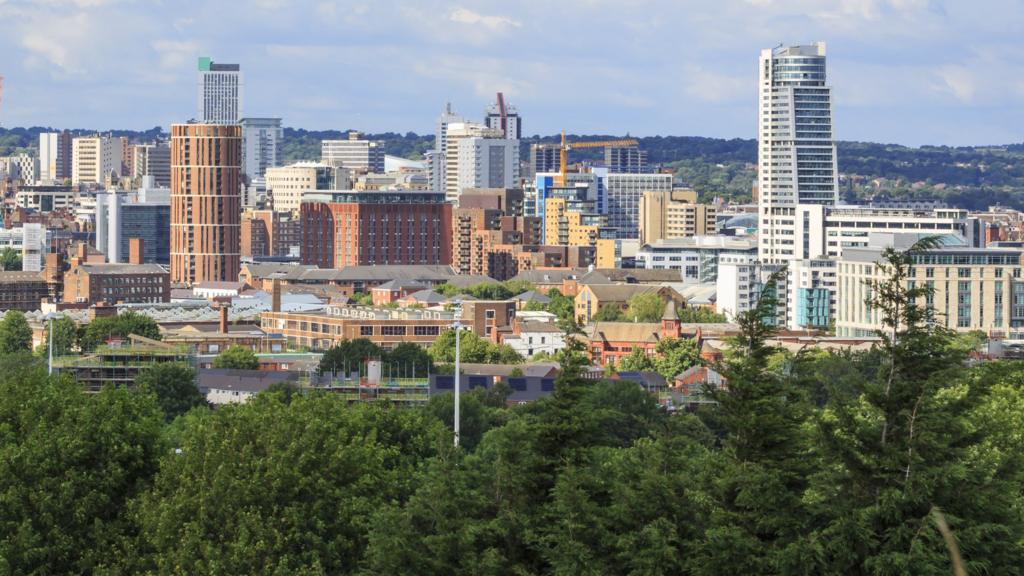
(906, 71)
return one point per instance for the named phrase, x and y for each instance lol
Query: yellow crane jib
(564, 148)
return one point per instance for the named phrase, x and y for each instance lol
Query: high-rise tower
(220, 92)
(502, 116)
(205, 202)
(796, 149)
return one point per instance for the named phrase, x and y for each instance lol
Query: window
(392, 330)
(366, 330)
(963, 272)
(426, 330)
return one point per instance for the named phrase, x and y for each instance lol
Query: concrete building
(20, 167)
(697, 257)
(625, 159)
(261, 140)
(973, 288)
(286, 184)
(544, 158)
(45, 197)
(95, 160)
(55, 151)
(144, 214)
(151, 160)
(478, 157)
(205, 202)
(30, 240)
(674, 214)
(219, 92)
(624, 192)
(507, 121)
(344, 228)
(435, 159)
(738, 286)
(356, 154)
(810, 302)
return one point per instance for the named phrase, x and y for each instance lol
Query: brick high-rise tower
(206, 206)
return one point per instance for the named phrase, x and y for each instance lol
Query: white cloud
(712, 86)
(466, 16)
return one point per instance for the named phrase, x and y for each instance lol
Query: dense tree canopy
(121, 325)
(15, 333)
(237, 358)
(473, 349)
(174, 386)
(815, 462)
(10, 259)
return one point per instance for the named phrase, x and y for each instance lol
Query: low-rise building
(22, 290)
(675, 213)
(591, 298)
(697, 257)
(117, 283)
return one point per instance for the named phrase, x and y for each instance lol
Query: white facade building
(696, 257)
(478, 157)
(796, 149)
(354, 153)
(20, 167)
(94, 159)
(738, 284)
(49, 149)
(31, 253)
(220, 92)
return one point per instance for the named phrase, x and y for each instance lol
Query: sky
(904, 71)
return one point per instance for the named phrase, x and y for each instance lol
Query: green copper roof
(204, 63)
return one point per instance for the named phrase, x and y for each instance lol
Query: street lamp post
(49, 363)
(458, 327)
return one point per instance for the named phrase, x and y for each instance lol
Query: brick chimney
(224, 318)
(275, 295)
(135, 250)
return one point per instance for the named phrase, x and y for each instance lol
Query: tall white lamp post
(458, 327)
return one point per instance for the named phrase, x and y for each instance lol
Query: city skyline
(907, 71)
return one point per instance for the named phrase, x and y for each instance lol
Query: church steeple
(670, 325)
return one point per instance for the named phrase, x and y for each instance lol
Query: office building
(484, 241)
(20, 167)
(504, 117)
(508, 200)
(354, 153)
(796, 149)
(737, 285)
(346, 228)
(696, 257)
(261, 141)
(623, 193)
(973, 288)
(151, 160)
(55, 151)
(674, 214)
(220, 92)
(478, 157)
(812, 292)
(544, 158)
(143, 214)
(205, 202)
(286, 184)
(22, 290)
(95, 160)
(625, 159)
(132, 283)
(435, 159)
(45, 197)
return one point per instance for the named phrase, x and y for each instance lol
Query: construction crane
(504, 115)
(564, 148)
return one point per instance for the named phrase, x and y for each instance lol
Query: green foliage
(638, 361)
(645, 308)
(70, 463)
(700, 315)
(676, 355)
(121, 325)
(65, 337)
(350, 355)
(364, 299)
(10, 259)
(473, 349)
(174, 385)
(15, 333)
(410, 359)
(487, 290)
(608, 313)
(238, 358)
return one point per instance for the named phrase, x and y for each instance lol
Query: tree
(645, 308)
(65, 335)
(637, 361)
(676, 355)
(174, 385)
(700, 315)
(349, 355)
(410, 359)
(10, 259)
(70, 463)
(473, 349)
(15, 333)
(121, 325)
(237, 358)
(904, 444)
(608, 313)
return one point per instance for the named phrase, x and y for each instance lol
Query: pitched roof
(532, 296)
(427, 297)
(624, 331)
(620, 292)
(467, 280)
(550, 276)
(16, 276)
(102, 269)
(670, 311)
(400, 284)
(640, 275)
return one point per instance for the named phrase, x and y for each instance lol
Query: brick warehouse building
(348, 228)
(205, 202)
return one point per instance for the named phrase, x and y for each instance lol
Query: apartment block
(117, 284)
(356, 154)
(674, 214)
(270, 233)
(95, 160)
(286, 184)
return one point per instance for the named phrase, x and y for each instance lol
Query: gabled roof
(400, 285)
(467, 280)
(531, 296)
(624, 331)
(550, 276)
(103, 269)
(670, 311)
(620, 292)
(640, 275)
(427, 297)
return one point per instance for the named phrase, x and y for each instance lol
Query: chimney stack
(135, 250)
(224, 318)
(275, 295)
